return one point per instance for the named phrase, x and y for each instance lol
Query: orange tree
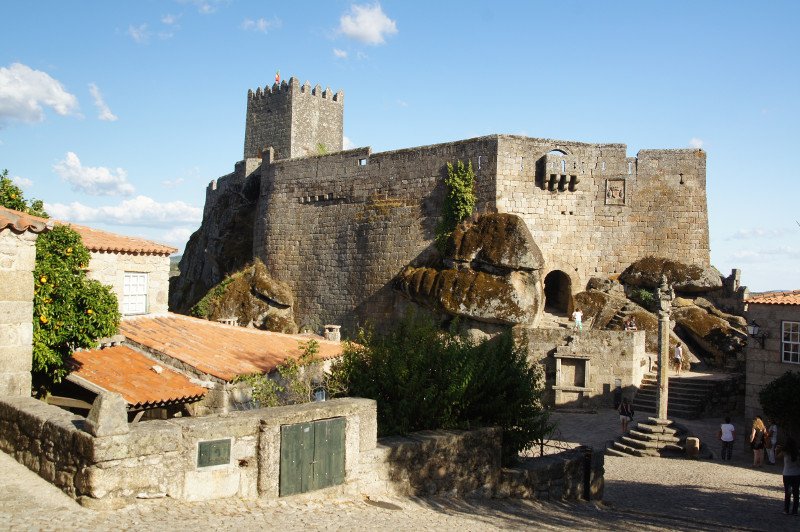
(70, 311)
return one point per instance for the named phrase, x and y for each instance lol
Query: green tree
(779, 400)
(459, 201)
(425, 378)
(11, 197)
(70, 311)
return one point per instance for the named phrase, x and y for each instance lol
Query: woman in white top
(791, 474)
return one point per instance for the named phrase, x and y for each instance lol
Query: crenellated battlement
(294, 120)
(264, 93)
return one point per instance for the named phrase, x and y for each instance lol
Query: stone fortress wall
(338, 227)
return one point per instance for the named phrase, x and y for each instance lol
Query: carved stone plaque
(615, 192)
(214, 452)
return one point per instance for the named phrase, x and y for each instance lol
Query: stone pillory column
(665, 297)
(18, 233)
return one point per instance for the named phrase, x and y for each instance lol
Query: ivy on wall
(459, 201)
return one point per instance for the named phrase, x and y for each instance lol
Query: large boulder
(253, 298)
(711, 332)
(490, 273)
(648, 272)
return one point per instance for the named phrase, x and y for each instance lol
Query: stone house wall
(110, 269)
(17, 261)
(764, 365)
(582, 369)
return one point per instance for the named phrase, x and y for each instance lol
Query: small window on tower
(362, 162)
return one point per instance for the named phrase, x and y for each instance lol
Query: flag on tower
(278, 76)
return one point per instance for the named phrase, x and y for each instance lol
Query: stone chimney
(332, 333)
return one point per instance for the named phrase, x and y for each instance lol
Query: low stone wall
(563, 476)
(449, 462)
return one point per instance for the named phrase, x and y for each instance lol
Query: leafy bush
(70, 311)
(11, 198)
(644, 297)
(459, 202)
(423, 378)
(779, 400)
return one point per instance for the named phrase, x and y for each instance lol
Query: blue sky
(118, 114)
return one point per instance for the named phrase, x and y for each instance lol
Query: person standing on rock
(678, 357)
(726, 434)
(625, 414)
(577, 317)
(757, 435)
(791, 474)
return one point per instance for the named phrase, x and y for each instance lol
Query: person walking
(625, 414)
(757, 435)
(772, 439)
(726, 434)
(678, 357)
(791, 474)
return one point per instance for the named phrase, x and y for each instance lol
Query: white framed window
(134, 293)
(790, 342)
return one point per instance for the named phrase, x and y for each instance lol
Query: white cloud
(205, 7)
(758, 232)
(402, 103)
(765, 256)
(178, 236)
(367, 23)
(347, 144)
(339, 54)
(139, 34)
(263, 25)
(22, 182)
(169, 20)
(173, 183)
(95, 181)
(100, 103)
(141, 211)
(24, 93)
(696, 143)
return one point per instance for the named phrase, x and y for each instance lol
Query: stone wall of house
(17, 260)
(110, 269)
(764, 365)
(583, 369)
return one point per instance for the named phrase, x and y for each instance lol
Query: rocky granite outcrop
(253, 299)
(491, 273)
(684, 278)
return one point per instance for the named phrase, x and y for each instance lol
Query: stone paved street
(641, 494)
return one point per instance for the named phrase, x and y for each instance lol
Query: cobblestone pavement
(641, 494)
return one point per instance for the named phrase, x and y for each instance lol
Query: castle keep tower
(295, 120)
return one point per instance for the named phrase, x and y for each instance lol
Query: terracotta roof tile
(97, 240)
(791, 297)
(129, 373)
(223, 351)
(21, 222)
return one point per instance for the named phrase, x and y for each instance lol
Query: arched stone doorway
(557, 291)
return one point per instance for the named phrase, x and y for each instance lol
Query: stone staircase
(687, 396)
(654, 437)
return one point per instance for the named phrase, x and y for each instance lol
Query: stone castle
(337, 226)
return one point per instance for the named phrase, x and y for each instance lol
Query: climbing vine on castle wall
(459, 201)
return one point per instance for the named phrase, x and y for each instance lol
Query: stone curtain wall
(765, 365)
(17, 260)
(590, 363)
(559, 476)
(338, 228)
(110, 268)
(621, 208)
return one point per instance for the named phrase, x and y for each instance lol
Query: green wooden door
(312, 455)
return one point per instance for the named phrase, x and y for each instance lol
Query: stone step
(613, 452)
(654, 436)
(655, 429)
(621, 447)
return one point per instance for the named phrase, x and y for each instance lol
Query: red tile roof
(129, 373)
(93, 239)
(791, 297)
(21, 222)
(223, 351)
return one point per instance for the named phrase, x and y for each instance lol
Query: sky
(118, 114)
